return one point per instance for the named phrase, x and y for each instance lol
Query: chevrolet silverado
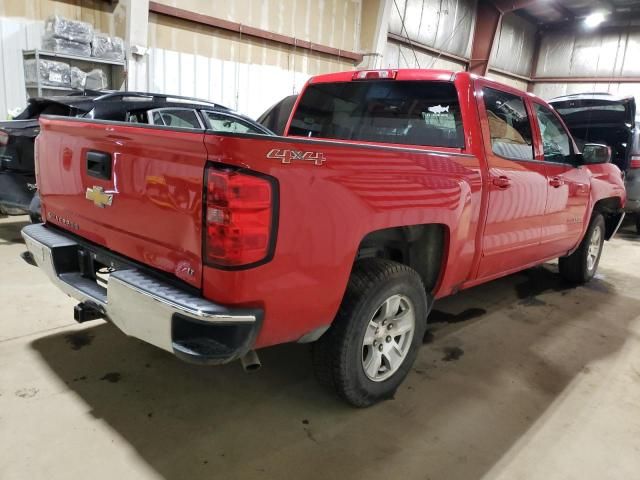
(389, 189)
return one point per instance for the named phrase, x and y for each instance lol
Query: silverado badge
(98, 197)
(286, 156)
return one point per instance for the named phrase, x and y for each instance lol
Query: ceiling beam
(488, 18)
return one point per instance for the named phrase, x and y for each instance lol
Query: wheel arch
(611, 210)
(422, 247)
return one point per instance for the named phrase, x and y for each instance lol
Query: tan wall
(507, 80)
(329, 22)
(186, 37)
(102, 15)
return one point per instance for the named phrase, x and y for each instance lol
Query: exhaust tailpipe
(250, 361)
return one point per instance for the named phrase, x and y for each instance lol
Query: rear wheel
(581, 265)
(638, 223)
(375, 338)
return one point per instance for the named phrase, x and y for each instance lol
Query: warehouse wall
(21, 28)
(607, 53)
(445, 26)
(328, 22)
(189, 59)
(513, 51)
(400, 55)
(448, 27)
(244, 73)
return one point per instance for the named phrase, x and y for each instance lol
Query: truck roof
(400, 74)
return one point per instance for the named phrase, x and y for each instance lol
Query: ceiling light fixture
(593, 20)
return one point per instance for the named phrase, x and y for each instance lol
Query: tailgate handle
(99, 165)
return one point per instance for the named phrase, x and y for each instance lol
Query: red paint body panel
(324, 210)
(156, 215)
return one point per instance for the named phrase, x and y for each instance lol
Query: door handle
(502, 182)
(99, 165)
(556, 182)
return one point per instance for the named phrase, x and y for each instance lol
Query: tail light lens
(375, 75)
(4, 138)
(239, 217)
(635, 161)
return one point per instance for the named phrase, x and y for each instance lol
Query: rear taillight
(239, 217)
(4, 138)
(635, 161)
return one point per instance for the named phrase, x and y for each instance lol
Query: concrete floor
(521, 378)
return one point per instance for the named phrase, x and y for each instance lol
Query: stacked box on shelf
(107, 47)
(66, 36)
(51, 72)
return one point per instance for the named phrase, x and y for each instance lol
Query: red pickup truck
(390, 189)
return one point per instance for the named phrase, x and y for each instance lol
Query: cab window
(224, 123)
(174, 117)
(509, 125)
(555, 140)
(398, 111)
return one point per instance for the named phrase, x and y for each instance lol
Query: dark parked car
(277, 116)
(608, 119)
(17, 169)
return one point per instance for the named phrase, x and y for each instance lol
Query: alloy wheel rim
(594, 248)
(388, 338)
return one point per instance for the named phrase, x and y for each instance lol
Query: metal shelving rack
(115, 70)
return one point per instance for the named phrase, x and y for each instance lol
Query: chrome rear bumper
(144, 306)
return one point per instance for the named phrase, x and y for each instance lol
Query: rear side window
(386, 111)
(225, 123)
(509, 125)
(175, 117)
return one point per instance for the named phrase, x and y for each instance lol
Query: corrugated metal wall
(15, 35)
(445, 25)
(399, 55)
(515, 45)
(21, 28)
(246, 74)
(612, 53)
(327, 22)
(189, 59)
(608, 54)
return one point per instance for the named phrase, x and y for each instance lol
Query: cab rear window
(385, 111)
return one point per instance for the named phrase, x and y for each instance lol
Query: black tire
(338, 354)
(576, 267)
(637, 223)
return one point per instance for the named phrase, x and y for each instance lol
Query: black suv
(609, 119)
(17, 168)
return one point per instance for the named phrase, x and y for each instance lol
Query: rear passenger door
(567, 185)
(517, 183)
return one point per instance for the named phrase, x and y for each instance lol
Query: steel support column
(488, 17)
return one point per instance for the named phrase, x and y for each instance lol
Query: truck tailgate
(136, 190)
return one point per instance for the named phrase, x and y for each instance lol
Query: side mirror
(595, 153)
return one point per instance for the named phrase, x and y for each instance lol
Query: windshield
(386, 111)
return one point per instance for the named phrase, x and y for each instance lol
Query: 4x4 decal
(287, 156)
